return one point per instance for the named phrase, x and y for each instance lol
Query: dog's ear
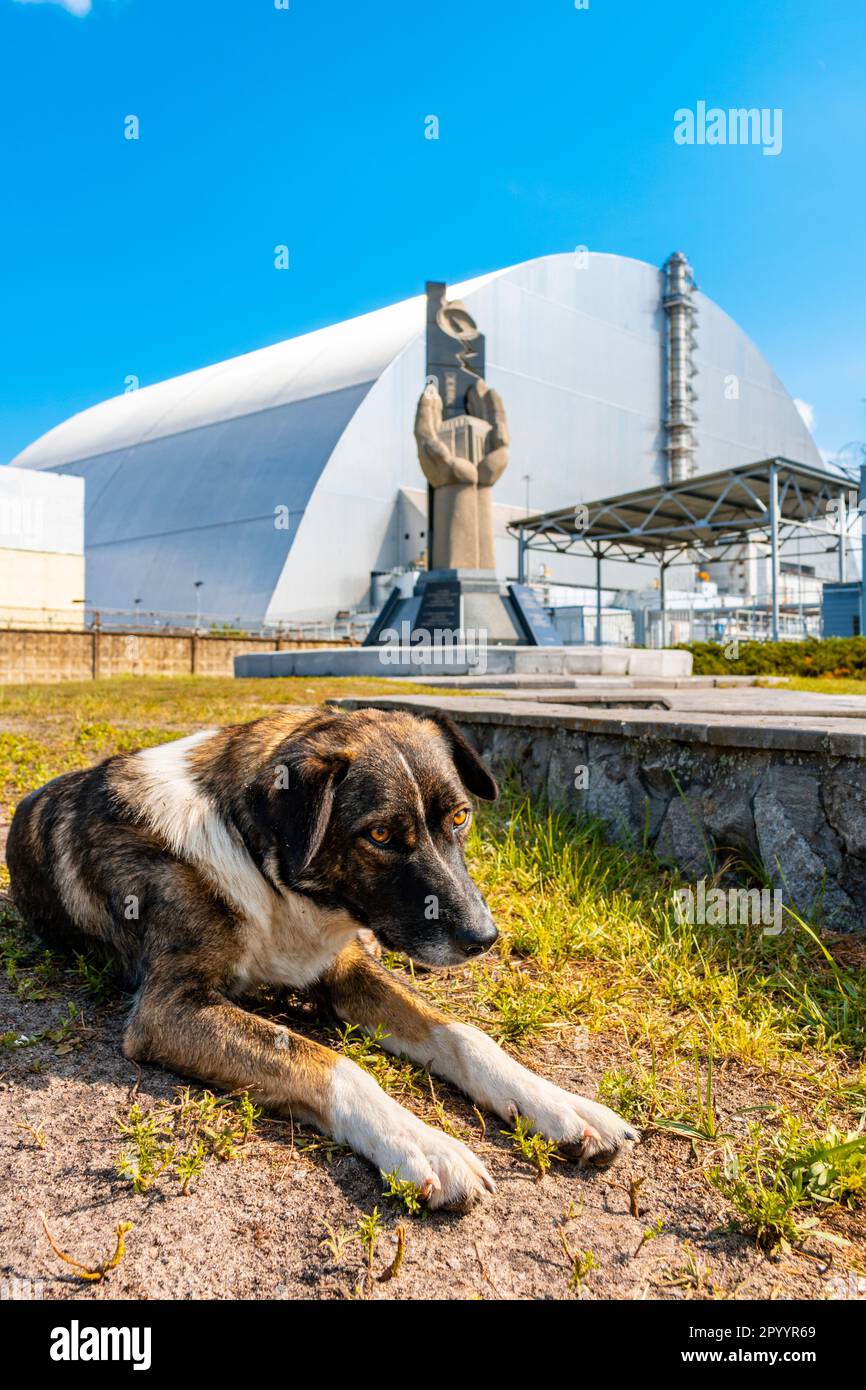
(291, 803)
(474, 774)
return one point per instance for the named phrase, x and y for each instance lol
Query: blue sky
(262, 126)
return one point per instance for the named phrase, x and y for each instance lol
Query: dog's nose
(474, 941)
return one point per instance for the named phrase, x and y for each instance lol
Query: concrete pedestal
(418, 662)
(449, 606)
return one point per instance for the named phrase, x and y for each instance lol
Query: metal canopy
(708, 510)
(711, 511)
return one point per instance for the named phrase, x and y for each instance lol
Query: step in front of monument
(417, 662)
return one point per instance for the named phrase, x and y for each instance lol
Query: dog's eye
(379, 834)
(461, 818)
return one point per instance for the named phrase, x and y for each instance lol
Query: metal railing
(743, 624)
(156, 621)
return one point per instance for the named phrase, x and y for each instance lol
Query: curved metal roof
(342, 357)
(183, 478)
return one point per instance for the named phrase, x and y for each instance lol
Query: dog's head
(368, 812)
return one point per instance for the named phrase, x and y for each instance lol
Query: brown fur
(89, 845)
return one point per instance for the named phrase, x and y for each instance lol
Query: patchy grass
(745, 1049)
(49, 729)
(827, 685)
(392, 1073)
(180, 1136)
(538, 1152)
(590, 935)
(781, 1181)
(403, 1193)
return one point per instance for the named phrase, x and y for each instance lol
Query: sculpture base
(514, 665)
(452, 607)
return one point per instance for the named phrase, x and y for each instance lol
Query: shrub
(831, 656)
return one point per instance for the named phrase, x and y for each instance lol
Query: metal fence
(341, 628)
(746, 624)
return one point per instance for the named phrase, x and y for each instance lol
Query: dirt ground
(252, 1227)
(265, 1224)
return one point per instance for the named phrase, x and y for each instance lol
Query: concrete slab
(419, 663)
(815, 732)
(776, 776)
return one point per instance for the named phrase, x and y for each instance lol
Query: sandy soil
(252, 1227)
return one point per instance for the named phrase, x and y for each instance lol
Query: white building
(41, 549)
(279, 482)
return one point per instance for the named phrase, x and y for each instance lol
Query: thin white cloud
(806, 413)
(77, 7)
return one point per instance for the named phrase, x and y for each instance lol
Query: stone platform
(704, 775)
(419, 663)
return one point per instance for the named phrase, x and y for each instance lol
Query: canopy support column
(599, 636)
(862, 510)
(774, 549)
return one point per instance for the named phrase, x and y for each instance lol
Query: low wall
(418, 662)
(37, 655)
(784, 792)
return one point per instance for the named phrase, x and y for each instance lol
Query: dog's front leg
(196, 1031)
(363, 992)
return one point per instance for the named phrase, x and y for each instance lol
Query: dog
(251, 856)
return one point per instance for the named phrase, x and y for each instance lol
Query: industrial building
(284, 485)
(41, 550)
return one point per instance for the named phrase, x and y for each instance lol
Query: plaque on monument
(439, 611)
(539, 628)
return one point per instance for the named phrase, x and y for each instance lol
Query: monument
(458, 619)
(461, 433)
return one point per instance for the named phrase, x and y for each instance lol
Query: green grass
(780, 1183)
(179, 1137)
(589, 932)
(538, 1152)
(827, 685)
(49, 729)
(590, 945)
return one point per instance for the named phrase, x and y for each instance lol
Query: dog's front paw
(586, 1131)
(449, 1175)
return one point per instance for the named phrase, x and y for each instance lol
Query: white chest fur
(285, 938)
(294, 947)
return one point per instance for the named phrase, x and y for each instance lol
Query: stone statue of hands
(442, 467)
(486, 403)
(462, 505)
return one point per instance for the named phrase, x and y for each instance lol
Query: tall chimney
(678, 304)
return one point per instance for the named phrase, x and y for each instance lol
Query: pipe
(680, 368)
(843, 519)
(862, 509)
